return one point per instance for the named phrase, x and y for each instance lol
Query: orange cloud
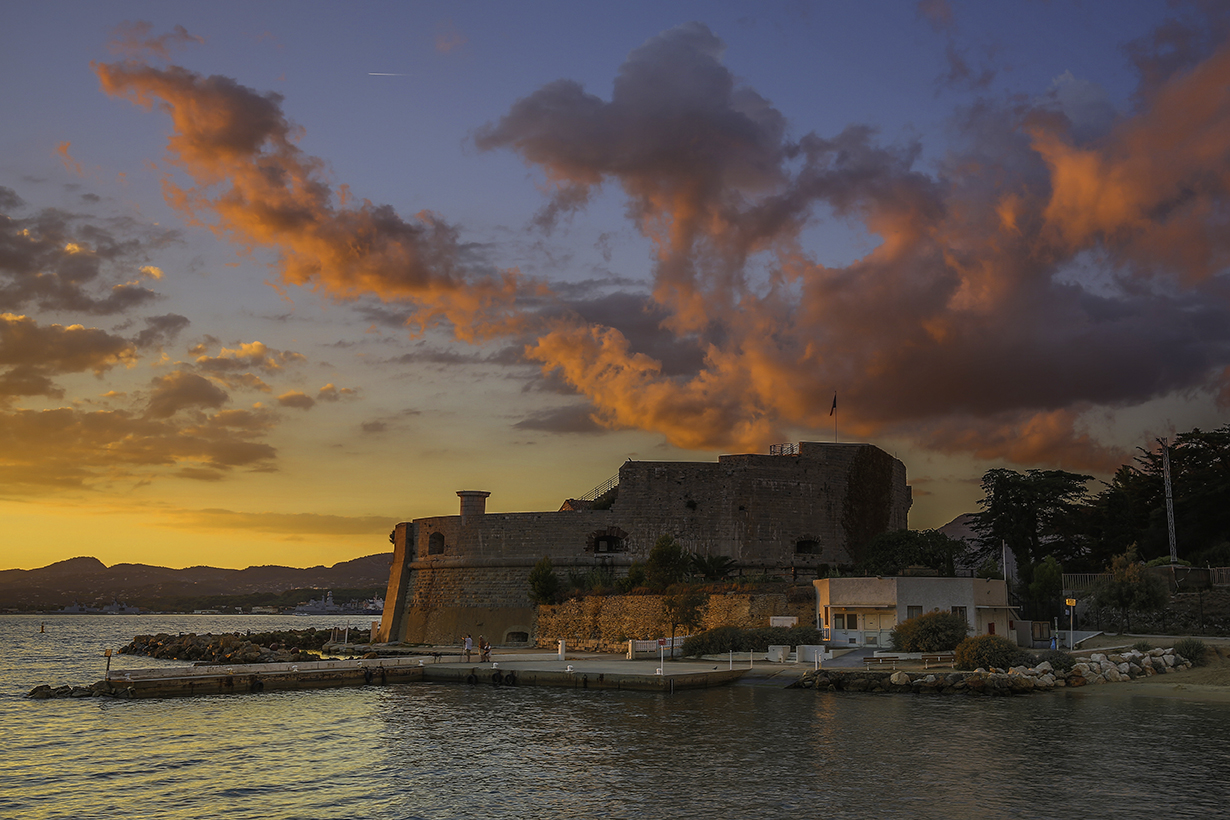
(297, 398)
(1007, 291)
(69, 163)
(255, 187)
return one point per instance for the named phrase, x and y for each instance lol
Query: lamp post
(1071, 602)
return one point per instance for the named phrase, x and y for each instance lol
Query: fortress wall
(453, 572)
(558, 535)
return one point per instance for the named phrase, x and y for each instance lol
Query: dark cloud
(570, 419)
(135, 39)
(181, 390)
(331, 392)
(35, 354)
(296, 398)
(68, 448)
(161, 330)
(55, 260)
(1179, 44)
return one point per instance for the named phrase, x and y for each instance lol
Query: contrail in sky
(383, 74)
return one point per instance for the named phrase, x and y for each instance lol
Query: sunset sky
(276, 276)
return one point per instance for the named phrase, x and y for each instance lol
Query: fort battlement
(469, 573)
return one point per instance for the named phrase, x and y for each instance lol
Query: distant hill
(91, 582)
(961, 528)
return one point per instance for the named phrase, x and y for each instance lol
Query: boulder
(40, 692)
(1077, 680)
(900, 679)
(1044, 668)
(1097, 657)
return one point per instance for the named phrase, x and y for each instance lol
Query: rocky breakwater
(1125, 666)
(1099, 668)
(292, 646)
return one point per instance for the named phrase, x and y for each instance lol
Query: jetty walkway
(508, 668)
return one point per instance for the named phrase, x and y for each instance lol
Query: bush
(544, 583)
(633, 580)
(986, 651)
(930, 632)
(1142, 646)
(667, 564)
(1058, 658)
(732, 639)
(1192, 649)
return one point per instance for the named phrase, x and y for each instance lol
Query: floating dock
(605, 672)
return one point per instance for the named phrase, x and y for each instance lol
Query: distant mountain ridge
(89, 580)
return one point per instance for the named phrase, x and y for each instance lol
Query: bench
(881, 659)
(939, 660)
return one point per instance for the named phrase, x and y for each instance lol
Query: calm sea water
(445, 751)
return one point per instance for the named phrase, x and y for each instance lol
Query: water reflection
(444, 751)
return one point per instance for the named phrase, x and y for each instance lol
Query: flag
(834, 410)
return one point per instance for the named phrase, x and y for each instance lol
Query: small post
(107, 655)
(1071, 624)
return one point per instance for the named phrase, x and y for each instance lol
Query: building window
(960, 610)
(807, 547)
(846, 620)
(435, 544)
(913, 611)
(991, 628)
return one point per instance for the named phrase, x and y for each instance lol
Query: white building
(861, 612)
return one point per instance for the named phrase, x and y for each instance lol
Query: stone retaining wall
(607, 623)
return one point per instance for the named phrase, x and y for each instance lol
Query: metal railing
(787, 449)
(602, 489)
(1082, 580)
(1219, 576)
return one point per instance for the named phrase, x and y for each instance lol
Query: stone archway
(610, 539)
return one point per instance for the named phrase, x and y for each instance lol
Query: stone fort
(789, 512)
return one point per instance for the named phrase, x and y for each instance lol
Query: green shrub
(633, 580)
(930, 632)
(986, 651)
(732, 639)
(1192, 649)
(1142, 646)
(544, 583)
(1058, 658)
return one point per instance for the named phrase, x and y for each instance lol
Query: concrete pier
(522, 669)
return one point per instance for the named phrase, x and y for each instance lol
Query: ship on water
(327, 606)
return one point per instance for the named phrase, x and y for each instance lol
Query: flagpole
(833, 413)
